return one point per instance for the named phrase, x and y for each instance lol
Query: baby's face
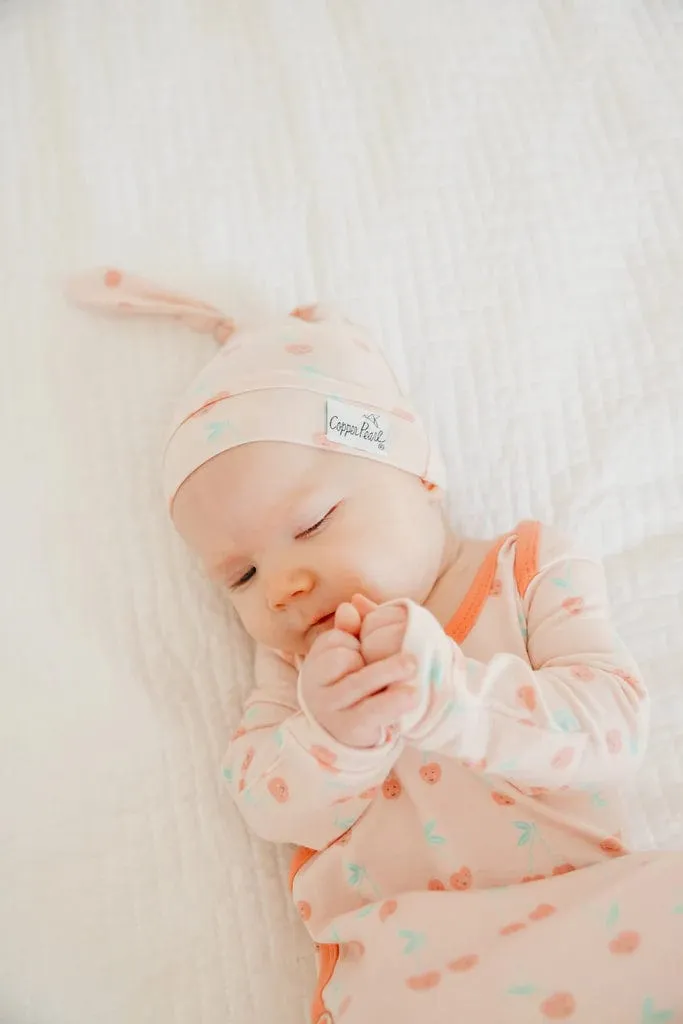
(292, 532)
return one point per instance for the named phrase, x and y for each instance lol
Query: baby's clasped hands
(356, 681)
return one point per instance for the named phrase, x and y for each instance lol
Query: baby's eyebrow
(223, 565)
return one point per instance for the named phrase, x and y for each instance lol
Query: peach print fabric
(474, 862)
(310, 378)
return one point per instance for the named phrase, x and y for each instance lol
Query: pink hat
(309, 378)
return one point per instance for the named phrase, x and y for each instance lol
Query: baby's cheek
(397, 574)
(261, 625)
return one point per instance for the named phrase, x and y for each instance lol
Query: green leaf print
(278, 737)
(524, 629)
(413, 940)
(344, 824)
(612, 915)
(436, 673)
(528, 831)
(678, 909)
(652, 1016)
(564, 582)
(216, 429)
(566, 721)
(367, 909)
(357, 874)
(521, 990)
(598, 800)
(431, 836)
(227, 774)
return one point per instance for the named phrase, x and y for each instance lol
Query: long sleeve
(292, 781)
(573, 715)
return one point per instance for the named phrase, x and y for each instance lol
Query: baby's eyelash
(251, 571)
(316, 526)
(248, 575)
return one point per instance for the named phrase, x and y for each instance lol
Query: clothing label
(356, 427)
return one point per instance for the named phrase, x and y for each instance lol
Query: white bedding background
(497, 188)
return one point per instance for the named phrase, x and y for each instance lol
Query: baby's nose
(285, 587)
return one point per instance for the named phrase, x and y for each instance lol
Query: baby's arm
(576, 716)
(291, 779)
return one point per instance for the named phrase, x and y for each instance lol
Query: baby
(437, 722)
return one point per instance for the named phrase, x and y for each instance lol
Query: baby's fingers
(363, 605)
(371, 679)
(385, 615)
(383, 709)
(383, 641)
(347, 618)
(332, 663)
(333, 639)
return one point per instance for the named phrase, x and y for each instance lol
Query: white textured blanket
(497, 189)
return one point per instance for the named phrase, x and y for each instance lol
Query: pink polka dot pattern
(308, 313)
(563, 758)
(298, 349)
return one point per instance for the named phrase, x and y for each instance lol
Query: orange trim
(459, 627)
(528, 536)
(328, 952)
(301, 856)
(328, 955)
(526, 554)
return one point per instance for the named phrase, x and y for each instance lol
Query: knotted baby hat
(310, 378)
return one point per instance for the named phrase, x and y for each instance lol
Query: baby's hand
(355, 701)
(382, 629)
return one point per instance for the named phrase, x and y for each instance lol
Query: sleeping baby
(437, 723)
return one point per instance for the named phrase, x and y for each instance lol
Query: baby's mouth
(324, 621)
(320, 625)
(316, 629)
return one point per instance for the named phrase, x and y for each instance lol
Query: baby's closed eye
(247, 575)
(309, 531)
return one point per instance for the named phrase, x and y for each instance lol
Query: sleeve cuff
(338, 757)
(424, 639)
